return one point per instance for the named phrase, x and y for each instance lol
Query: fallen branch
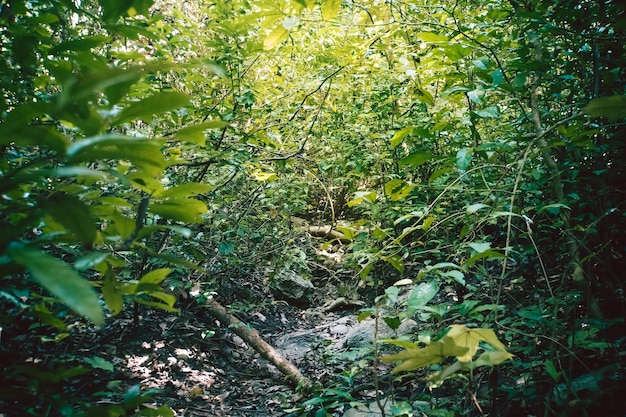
(255, 341)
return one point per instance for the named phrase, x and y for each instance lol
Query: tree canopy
(459, 164)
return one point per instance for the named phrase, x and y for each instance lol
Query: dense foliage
(472, 152)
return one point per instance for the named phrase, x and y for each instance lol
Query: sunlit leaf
(142, 152)
(431, 37)
(195, 133)
(156, 276)
(61, 280)
(180, 209)
(420, 296)
(416, 159)
(330, 8)
(399, 136)
(154, 105)
(275, 38)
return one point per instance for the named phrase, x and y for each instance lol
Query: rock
(362, 334)
(293, 287)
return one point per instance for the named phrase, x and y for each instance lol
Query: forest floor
(186, 361)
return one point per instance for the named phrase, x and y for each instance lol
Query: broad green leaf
(143, 153)
(62, 281)
(480, 247)
(72, 214)
(275, 38)
(464, 158)
(488, 112)
(471, 209)
(330, 8)
(29, 135)
(97, 362)
(82, 44)
(186, 210)
(458, 276)
(420, 296)
(397, 189)
(195, 133)
(225, 248)
(401, 343)
(88, 261)
(488, 254)
(396, 262)
(399, 136)
(149, 107)
(418, 358)
(189, 189)
(264, 176)
(77, 90)
(613, 107)
(362, 196)
(416, 159)
(497, 77)
(155, 277)
(112, 293)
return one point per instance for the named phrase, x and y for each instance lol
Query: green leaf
(420, 296)
(330, 8)
(397, 189)
(142, 152)
(471, 209)
(399, 136)
(430, 37)
(416, 159)
(82, 44)
(489, 254)
(97, 362)
(225, 248)
(149, 107)
(155, 277)
(189, 189)
(275, 38)
(195, 133)
(62, 281)
(111, 291)
(480, 247)
(186, 210)
(613, 107)
(488, 112)
(73, 214)
(90, 260)
(464, 158)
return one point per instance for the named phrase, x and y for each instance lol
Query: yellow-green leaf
(180, 209)
(195, 133)
(111, 293)
(156, 104)
(155, 277)
(330, 8)
(275, 38)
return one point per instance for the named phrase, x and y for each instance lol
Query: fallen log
(255, 341)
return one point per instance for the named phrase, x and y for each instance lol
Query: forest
(316, 208)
